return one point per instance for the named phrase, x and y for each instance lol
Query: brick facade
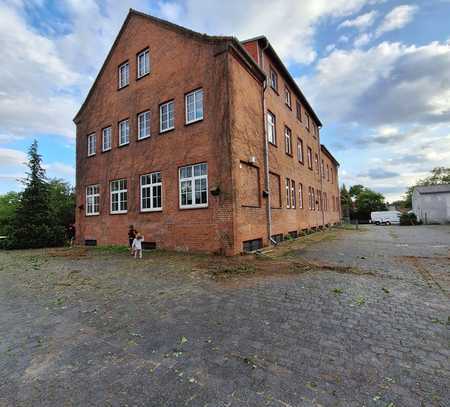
(230, 139)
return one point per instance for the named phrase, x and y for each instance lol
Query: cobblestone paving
(99, 329)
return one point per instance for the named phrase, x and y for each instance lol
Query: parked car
(385, 217)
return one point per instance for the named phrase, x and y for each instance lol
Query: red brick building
(201, 142)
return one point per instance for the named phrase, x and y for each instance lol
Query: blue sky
(377, 72)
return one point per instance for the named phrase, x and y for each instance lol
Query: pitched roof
(330, 156)
(287, 75)
(232, 41)
(433, 189)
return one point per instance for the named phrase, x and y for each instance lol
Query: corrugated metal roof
(433, 189)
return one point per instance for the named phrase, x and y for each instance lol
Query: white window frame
(118, 192)
(127, 132)
(192, 180)
(288, 140)
(293, 196)
(300, 156)
(124, 75)
(288, 193)
(300, 195)
(195, 94)
(273, 79)
(309, 157)
(107, 131)
(92, 195)
(287, 97)
(271, 128)
(161, 107)
(150, 186)
(147, 123)
(91, 145)
(146, 70)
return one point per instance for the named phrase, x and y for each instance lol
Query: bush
(408, 219)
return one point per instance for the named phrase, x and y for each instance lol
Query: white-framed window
(307, 121)
(325, 202)
(300, 150)
(293, 194)
(124, 75)
(143, 63)
(299, 111)
(106, 139)
(119, 196)
(194, 186)
(143, 125)
(167, 116)
(271, 128)
(91, 144)
(288, 193)
(92, 200)
(318, 199)
(288, 140)
(151, 192)
(273, 79)
(300, 195)
(124, 132)
(310, 162)
(194, 106)
(287, 97)
(316, 161)
(314, 199)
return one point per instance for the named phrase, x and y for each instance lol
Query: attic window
(124, 75)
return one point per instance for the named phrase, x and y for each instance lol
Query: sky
(377, 73)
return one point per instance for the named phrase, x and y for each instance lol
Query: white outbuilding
(431, 204)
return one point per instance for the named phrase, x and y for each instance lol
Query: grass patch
(112, 249)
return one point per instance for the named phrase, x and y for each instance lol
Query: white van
(385, 218)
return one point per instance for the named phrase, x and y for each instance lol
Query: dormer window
(143, 63)
(124, 75)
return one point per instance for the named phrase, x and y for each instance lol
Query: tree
(355, 190)
(368, 201)
(346, 202)
(33, 224)
(439, 175)
(62, 202)
(8, 205)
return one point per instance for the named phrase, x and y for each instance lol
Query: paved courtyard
(339, 318)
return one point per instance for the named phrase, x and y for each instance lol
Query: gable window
(307, 121)
(194, 106)
(143, 63)
(288, 140)
(194, 186)
(310, 162)
(167, 116)
(300, 150)
(299, 111)
(288, 193)
(124, 75)
(287, 97)
(92, 200)
(106, 139)
(143, 125)
(91, 144)
(271, 128)
(300, 195)
(151, 192)
(273, 79)
(124, 132)
(119, 196)
(293, 194)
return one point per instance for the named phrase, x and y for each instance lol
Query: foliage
(8, 205)
(439, 175)
(346, 202)
(408, 219)
(359, 201)
(62, 202)
(33, 223)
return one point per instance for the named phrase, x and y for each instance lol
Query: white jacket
(137, 244)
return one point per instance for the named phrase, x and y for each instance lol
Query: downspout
(321, 177)
(266, 149)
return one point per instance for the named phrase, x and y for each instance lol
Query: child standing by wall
(137, 245)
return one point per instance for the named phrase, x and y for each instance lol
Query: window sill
(275, 90)
(194, 207)
(193, 121)
(301, 162)
(273, 144)
(151, 210)
(92, 214)
(118, 213)
(123, 145)
(143, 76)
(166, 130)
(143, 138)
(105, 151)
(123, 87)
(290, 155)
(91, 155)
(289, 107)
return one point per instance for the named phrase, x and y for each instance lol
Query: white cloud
(397, 18)
(362, 40)
(361, 22)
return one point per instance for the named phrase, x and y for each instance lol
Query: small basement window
(277, 238)
(252, 245)
(90, 242)
(293, 234)
(148, 245)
